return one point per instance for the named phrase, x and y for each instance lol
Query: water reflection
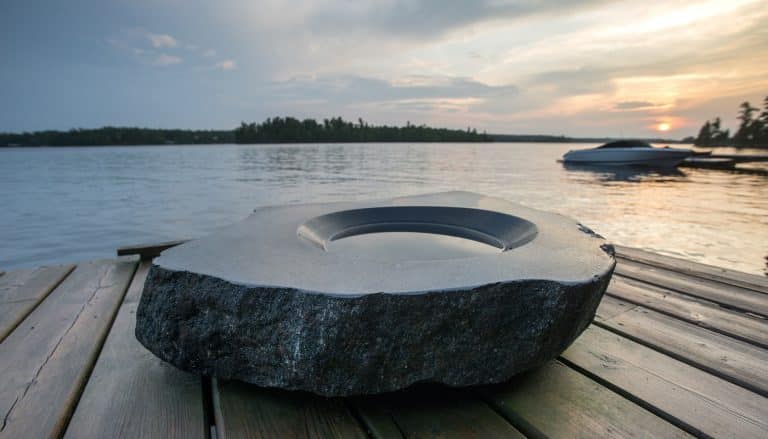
(68, 204)
(632, 174)
(386, 246)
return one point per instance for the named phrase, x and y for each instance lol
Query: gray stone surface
(291, 298)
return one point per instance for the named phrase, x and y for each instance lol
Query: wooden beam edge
(148, 251)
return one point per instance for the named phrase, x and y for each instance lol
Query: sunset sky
(581, 68)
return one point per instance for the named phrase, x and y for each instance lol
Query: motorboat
(628, 153)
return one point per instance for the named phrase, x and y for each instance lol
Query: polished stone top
(408, 245)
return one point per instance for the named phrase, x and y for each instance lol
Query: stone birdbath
(363, 298)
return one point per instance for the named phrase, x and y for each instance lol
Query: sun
(663, 126)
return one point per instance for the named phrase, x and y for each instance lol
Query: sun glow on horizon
(663, 126)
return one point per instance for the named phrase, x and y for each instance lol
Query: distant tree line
(273, 130)
(283, 130)
(752, 132)
(545, 138)
(292, 130)
(116, 136)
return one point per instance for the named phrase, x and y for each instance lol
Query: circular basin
(435, 232)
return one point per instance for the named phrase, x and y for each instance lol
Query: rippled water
(69, 204)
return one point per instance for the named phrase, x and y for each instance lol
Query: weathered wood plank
(148, 251)
(556, 401)
(611, 307)
(432, 411)
(22, 290)
(734, 360)
(699, 312)
(376, 418)
(691, 398)
(246, 411)
(132, 393)
(711, 272)
(44, 363)
(726, 295)
(690, 281)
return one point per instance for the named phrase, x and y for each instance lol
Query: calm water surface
(70, 204)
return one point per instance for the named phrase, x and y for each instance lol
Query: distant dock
(722, 161)
(677, 348)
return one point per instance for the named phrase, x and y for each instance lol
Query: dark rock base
(339, 346)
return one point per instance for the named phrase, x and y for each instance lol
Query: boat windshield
(626, 144)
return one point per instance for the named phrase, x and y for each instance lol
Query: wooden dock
(677, 349)
(722, 161)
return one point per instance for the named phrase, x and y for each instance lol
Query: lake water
(71, 204)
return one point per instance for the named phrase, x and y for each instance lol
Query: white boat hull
(655, 157)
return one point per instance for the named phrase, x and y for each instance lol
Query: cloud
(423, 18)
(162, 49)
(633, 105)
(166, 60)
(574, 82)
(227, 64)
(160, 41)
(413, 94)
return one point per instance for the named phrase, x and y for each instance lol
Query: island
(283, 130)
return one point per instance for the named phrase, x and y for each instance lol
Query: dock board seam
(91, 363)
(684, 359)
(520, 424)
(723, 278)
(36, 305)
(206, 384)
(639, 401)
(698, 323)
(739, 309)
(52, 352)
(364, 426)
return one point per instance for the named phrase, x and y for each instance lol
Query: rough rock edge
(298, 340)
